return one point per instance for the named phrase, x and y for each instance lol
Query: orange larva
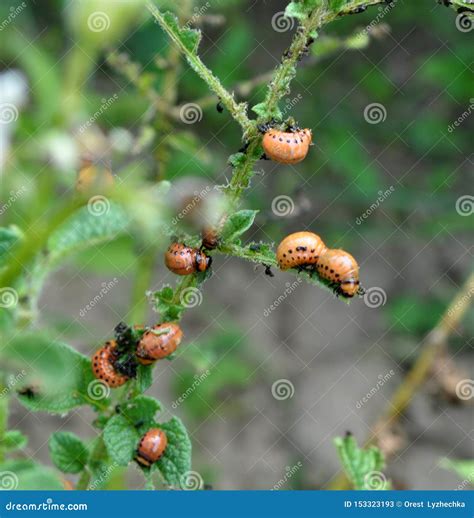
(210, 239)
(158, 343)
(300, 250)
(103, 365)
(151, 447)
(287, 147)
(342, 270)
(184, 260)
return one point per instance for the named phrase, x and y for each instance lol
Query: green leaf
(98, 223)
(140, 410)
(336, 5)
(176, 461)
(144, 377)
(237, 159)
(27, 475)
(121, 440)
(68, 452)
(54, 377)
(237, 223)
(165, 304)
(363, 466)
(13, 440)
(463, 468)
(301, 9)
(260, 109)
(189, 38)
(264, 113)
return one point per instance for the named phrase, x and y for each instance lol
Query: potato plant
(47, 375)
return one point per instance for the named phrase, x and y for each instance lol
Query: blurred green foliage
(419, 72)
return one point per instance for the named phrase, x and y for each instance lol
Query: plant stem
(84, 479)
(420, 370)
(286, 71)
(238, 111)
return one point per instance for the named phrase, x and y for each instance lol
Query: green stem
(286, 71)
(238, 111)
(84, 479)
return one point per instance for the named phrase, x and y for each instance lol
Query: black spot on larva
(332, 271)
(284, 255)
(296, 141)
(326, 267)
(290, 251)
(312, 250)
(274, 137)
(280, 139)
(288, 141)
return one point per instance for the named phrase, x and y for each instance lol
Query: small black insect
(359, 9)
(126, 340)
(268, 270)
(220, 107)
(28, 392)
(255, 247)
(244, 148)
(126, 365)
(263, 128)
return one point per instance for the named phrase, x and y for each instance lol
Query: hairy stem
(283, 75)
(238, 111)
